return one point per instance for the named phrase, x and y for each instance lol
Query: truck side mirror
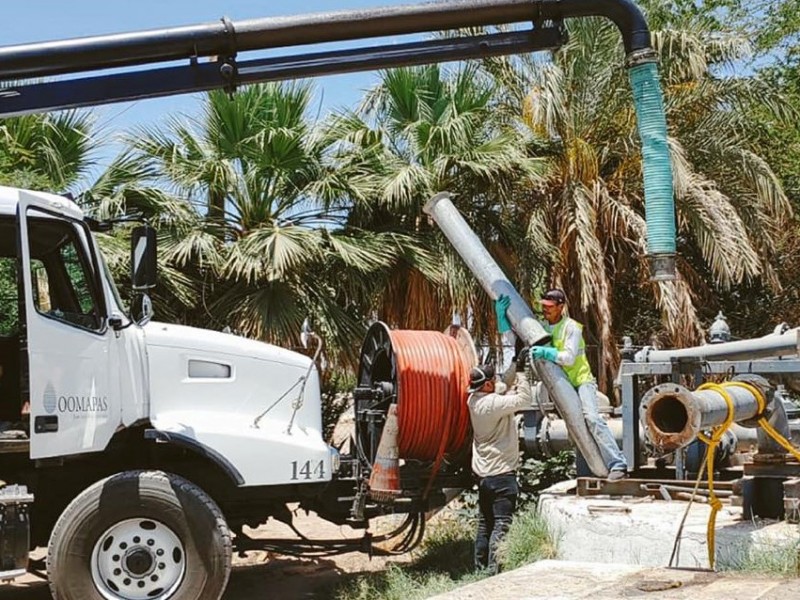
(143, 258)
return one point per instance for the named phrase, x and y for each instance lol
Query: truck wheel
(140, 535)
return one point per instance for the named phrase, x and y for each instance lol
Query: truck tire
(140, 535)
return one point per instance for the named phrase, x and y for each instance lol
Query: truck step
(14, 441)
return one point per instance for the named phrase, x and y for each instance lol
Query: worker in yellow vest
(568, 351)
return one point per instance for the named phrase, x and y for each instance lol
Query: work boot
(617, 474)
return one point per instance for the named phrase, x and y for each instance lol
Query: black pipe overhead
(109, 88)
(227, 38)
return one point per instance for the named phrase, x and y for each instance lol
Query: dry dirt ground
(258, 574)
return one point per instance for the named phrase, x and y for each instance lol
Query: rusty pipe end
(670, 417)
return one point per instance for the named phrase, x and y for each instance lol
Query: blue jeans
(497, 500)
(598, 427)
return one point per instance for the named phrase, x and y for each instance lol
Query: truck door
(72, 392)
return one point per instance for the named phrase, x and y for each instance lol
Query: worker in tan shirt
(495, 458)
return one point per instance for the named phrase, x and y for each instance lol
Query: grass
(397, 583)
(529, 539)
(778, 558)
(444, 561)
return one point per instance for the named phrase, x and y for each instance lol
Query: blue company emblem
(50, 399)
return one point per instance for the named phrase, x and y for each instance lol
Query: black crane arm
(220, 44)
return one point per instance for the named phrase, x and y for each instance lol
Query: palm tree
(420, 131)
(126, 194)
(252, 217)
(47, 152)
(590, 209)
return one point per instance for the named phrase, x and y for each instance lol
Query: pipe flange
(669, 416)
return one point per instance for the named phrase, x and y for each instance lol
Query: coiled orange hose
(432, 380)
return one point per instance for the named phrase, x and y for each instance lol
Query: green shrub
(538, 475)
(398, 583)
(529, 539)
(447, 547)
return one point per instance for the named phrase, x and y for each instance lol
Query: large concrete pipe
(526, 326)
(783, 343)
(673, 415)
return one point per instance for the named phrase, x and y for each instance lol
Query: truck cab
(89, 391)
(92, 370)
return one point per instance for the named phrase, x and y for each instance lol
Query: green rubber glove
(500, 307)
(544, 353)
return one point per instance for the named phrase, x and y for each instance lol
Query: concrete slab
(612, 547)
(642, 531)
(570, 580)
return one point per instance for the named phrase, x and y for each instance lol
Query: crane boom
(221, 43)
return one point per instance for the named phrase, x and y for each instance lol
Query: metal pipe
(553, 436)
(746, 437)
(495, 283)
(779, 421)
(772, 345)
(226, 37)
(199, 77)
(673, 415)
(483, 266)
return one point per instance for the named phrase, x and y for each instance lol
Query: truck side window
(9, 308)
(62, 276)
(77, 276)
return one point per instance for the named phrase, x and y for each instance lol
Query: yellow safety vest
(580, 372)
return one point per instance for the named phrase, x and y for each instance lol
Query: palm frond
(270, 254)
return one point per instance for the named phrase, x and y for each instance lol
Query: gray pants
(599, 429)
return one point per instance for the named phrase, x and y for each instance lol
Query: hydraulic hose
(432, 380)
(656, 165)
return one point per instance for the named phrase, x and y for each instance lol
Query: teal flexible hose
(656, 164)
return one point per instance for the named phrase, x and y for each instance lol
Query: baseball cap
(480, 375)
(553, 297)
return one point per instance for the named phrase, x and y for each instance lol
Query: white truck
(132, 428)
(137, 451)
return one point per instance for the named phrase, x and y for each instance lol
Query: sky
(28, 21)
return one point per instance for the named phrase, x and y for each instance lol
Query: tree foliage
(420, 131)
(49, 152)
(730, 204)
(267, 216)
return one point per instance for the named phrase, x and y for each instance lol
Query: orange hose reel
(426, 373)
